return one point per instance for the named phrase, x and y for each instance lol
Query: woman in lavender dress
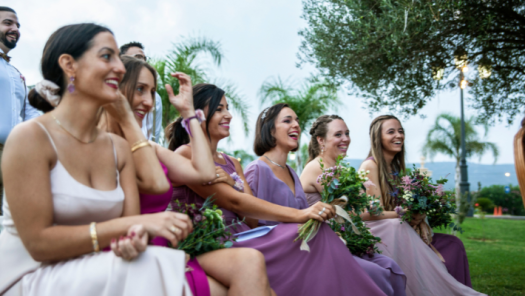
(329, 269)
(138, 88)
(330, 138)
(426, 273)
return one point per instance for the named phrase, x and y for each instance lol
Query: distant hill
(485, 173)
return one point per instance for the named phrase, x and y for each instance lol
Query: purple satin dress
(151, 203)
(384, 271)
(328, 269)
(453, 251)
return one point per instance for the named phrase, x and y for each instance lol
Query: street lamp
(461, 61)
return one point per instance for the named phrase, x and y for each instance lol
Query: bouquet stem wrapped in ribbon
(343, 189)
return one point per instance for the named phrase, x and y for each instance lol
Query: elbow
(208, 177)
(158, 186)
(38, 253)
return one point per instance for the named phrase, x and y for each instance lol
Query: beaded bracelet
(94, 238)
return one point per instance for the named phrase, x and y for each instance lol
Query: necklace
(58, 122)
(274, 162)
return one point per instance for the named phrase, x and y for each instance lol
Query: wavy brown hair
(319, 129)
(385, 173)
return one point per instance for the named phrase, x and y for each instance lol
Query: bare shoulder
(313, 168)
(26, 137)
(369, 165)
(122, 147)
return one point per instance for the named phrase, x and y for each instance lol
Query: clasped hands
(172, 226)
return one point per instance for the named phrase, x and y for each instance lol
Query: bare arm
(249, 206)
(370, 165)
(309, 177)
(238, 168)
(150, 177)
(32, 206)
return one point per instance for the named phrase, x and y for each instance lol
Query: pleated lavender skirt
(328, 269)
(385, 272)
(453, 251)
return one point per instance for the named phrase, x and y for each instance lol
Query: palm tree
(184, 58)
(311, 100)
(445, 138)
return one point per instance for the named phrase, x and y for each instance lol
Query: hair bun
(39, 102)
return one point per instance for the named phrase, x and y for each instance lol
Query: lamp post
(464, 185)
(484, 70)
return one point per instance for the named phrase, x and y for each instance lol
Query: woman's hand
(120, 109)
(172, 226)
(130, 246)
(183, 102)
(416, 219)
(318, 211)
(221, 177)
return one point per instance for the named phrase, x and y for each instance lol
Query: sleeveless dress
(265, 185)
(156, 203)
(453, 251)
(157, 271)
(384, 271)
(426, 274)
(328, 269)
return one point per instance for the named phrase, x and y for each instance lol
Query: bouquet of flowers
(209, 231)
(344, 189)
(414, 193)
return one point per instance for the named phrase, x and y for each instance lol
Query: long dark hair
(204, 95)
(74, 40)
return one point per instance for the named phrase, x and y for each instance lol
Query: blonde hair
(376, 151)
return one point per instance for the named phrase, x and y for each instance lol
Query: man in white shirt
(14, 107)
(151, 124)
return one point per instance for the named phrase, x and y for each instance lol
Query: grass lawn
(497, 265)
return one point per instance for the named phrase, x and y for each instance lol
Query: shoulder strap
(49, 136)
(114, 151)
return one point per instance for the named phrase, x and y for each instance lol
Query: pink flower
(406, 180)
(440, 190)
(369, 184)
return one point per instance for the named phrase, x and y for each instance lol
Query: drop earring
(71, 86)
(322, 150)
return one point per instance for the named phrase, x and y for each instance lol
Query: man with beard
(14, 107)
(152, 123)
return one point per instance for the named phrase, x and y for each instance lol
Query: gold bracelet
(94, 238)
(140, 145)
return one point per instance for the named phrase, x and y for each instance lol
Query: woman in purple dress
(138, 86)
(328, 269)
(332, 131)
(426, 273)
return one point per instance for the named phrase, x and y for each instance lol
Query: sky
(259, 39)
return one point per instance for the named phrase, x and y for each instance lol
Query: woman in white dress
(71, 189)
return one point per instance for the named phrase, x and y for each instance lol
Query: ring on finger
(322, 211)
(173, 229)
(218, 176)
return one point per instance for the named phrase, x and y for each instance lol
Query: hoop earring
(71, 86)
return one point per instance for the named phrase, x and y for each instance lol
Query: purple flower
(342, 228)
(197, 218)
(406, 180)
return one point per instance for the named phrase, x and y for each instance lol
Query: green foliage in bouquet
(209, 231)
(415, 193)
(344, 187)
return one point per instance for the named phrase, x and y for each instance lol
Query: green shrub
(485, 203)
(510, 202)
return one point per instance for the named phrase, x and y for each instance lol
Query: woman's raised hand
(130, 246)
(183, 102)
(172, 226)
(318, 211)
(120, 109)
